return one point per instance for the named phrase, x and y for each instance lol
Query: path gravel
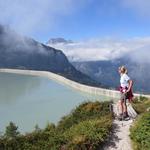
(119, 139)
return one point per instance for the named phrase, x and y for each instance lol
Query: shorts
(123, 96)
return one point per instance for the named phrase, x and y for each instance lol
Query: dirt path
(120, 140)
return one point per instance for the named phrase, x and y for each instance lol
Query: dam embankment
(73, 84)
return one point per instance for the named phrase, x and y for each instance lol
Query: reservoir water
(30, 100)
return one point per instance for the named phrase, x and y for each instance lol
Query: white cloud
(106, 49)
(29, 16)
(141, 7)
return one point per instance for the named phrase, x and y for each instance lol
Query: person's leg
(121, 106)
(125, 113)
(125, 106)
(122, 101)
(120, 110)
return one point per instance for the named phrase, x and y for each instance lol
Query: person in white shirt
(125, 90)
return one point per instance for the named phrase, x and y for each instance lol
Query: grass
(140, 131)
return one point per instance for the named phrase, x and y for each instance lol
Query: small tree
(11, 130)
(50, 127)
(1, 134)
(37, 128)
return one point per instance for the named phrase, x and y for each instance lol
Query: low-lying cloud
(13, 42)
(32, 16)
(106, 49)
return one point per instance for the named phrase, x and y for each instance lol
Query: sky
(87, 22)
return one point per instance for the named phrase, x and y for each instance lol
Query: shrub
(140, 132)
(88, 134)
(45, 139)
(141, 104)
(87, 110)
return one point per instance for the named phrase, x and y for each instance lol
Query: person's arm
(130, 85)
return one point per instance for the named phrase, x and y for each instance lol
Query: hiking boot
(126, 116)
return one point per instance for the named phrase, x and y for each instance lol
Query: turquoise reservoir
(30, 100)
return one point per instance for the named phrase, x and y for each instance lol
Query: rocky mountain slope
(21, 52)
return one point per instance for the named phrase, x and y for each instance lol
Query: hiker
(125, 91)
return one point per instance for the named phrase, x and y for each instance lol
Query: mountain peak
(58, 40)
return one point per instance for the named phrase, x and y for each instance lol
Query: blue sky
(102, 21)
(98, 19)
(77, 19)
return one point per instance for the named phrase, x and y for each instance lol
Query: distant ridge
(106, 72)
